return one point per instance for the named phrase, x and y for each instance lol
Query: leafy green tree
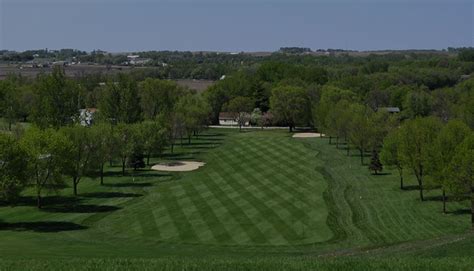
(361, 131)
(451, 135)
(56, 100)
(9, 102)
(390, 153)
(417, 138)
(330, 96)
(192, 113)
(47, 150)
(13, 168)
(241, 107)
(418, 103)
(120, 101)
(81, 153)
(382, 123)
(461, 170)
(289, 105)
(466, 54)
(158, 97)
(103, 146)
(126, 142)
(154, 138)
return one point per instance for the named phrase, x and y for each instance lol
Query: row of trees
(438, 154)
(134, 122)
(42, 158)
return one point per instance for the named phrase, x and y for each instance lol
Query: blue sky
(231, 25)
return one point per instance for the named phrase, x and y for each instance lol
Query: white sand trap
(178, 166)
(306, 135)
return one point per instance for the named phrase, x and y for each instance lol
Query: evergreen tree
(375, 164)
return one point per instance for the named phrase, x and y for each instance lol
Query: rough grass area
(270, 264)
(261, 194)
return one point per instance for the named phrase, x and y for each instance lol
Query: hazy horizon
(234, 26)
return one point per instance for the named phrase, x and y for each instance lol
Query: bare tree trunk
(444, 201)
(74, 184)
(123, 166)
(472, 207)
(361, 151)
(38, 199)
(337, 142)
(148, 159)
(102, 174)
(400, 172)
(330, 140)
(420, 183)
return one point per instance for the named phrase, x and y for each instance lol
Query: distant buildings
(136, 60)
(232, 118)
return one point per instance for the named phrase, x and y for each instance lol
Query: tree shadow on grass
(107, 195)
(411, 187)
(113, 173)
(461, 212)
(82, 209)
(41, 226)
(180, 155)
(48, 200)
(205, 143)
(434, 198)
(128, 184)
(382, 174)
(212, 135)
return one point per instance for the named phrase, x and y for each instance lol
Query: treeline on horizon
(342, 96)
(212, 65)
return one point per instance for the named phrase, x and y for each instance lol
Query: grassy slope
(260, 193)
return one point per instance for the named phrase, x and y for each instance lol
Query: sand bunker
(306, 135)
(178, 166)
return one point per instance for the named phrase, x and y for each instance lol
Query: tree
(193, 112)
(56, 100)
(241, 107)
(461, 170)
(154, 138)
(338, 121)
(81, 153)
(375, 164)
(104, 145)
(418, 103)
(330, 96)
(451, 135)
(390, 153)
(361, 131)
(289, 105)
(13, 168)
(126, 140)
(9, 102)
(417, 138)
(158, 97)
(46, 151)
(120, 101)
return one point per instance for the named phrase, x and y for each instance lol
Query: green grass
(261, 196)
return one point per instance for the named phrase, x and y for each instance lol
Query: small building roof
(390, 109)
(227, 115)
